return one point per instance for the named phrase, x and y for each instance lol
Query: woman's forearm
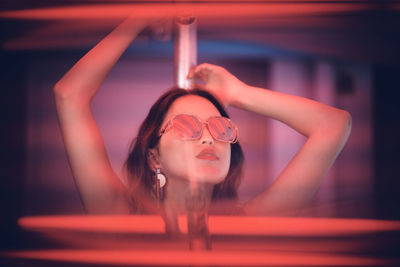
(327, 129)
(100, 188)
(83, 80)
(306, 116)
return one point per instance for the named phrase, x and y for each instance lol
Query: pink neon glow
(201, 10)
(225, 225)
(184, 258)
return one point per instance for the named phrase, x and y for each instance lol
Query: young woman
(188, 137)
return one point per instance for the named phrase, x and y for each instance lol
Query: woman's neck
(180, 196)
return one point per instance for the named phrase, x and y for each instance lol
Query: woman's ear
(153, 159)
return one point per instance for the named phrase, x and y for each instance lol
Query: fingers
(153, 19)
(201, 71)
(191, 73)
(201, 86)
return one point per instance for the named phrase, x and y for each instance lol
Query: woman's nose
(206, 137)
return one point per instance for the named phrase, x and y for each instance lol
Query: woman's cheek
(177, 158)
(227, 160)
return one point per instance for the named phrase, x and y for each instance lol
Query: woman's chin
(205, 174)
(212, 177)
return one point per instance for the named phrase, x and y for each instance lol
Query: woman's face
(204, 160)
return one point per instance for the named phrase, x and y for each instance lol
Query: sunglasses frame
(169, 125)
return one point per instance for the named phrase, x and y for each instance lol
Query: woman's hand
(158, 22)
(218, 81)
(137, 25)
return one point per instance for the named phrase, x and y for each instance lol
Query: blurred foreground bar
(236, 241)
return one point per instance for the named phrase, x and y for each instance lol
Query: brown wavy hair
(138, 170)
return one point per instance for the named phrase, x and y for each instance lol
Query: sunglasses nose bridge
(206, 133)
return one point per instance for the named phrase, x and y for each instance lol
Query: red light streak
(143, 11)
(184, 258)
(236, 241)
(221, 225)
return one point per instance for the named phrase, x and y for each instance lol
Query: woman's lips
(207, 154)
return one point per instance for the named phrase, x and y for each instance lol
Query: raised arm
(325, 127)
(100, 189)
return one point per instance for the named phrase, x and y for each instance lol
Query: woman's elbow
(66, 94)
(56, 87)
(340, 128)
(337, 126)
(346, 122)
(60, 92)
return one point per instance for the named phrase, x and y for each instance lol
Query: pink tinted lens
(187, 126)
(222, 129)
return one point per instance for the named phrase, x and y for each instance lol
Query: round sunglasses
(189, 127)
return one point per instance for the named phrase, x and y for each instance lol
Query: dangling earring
(160, 182)
(160, 177)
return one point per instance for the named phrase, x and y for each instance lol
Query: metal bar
(185, 46)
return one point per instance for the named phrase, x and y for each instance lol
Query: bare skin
(325, 127)
(187, 174)
(100, 188)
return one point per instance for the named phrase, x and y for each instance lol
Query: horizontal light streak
(206, 10)
(199, 258)
(219, 225)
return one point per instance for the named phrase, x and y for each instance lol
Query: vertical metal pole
(185, 46)
(186, 58)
